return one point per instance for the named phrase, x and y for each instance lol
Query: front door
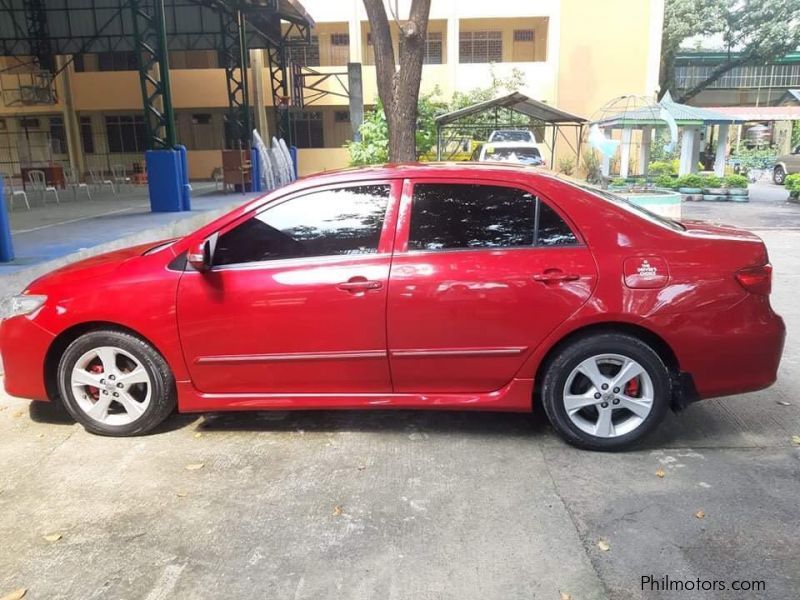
(482, 273)
(296, 299)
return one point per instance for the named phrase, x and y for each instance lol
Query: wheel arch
(69, 335)
(652, 339)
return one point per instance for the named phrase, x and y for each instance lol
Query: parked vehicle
(512, 135)
(786, 165)
(471, 287)
(523, 153)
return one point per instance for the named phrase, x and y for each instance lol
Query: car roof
(428, 169)
(518, 144)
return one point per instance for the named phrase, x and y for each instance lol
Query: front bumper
(24, 346)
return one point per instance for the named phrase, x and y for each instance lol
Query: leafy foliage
(755, 158)
(752, 32)
(666, 181)
(691, 181)
(735, 181)
(660, 167)
(566, 165)
(591, 165)
(793, 184)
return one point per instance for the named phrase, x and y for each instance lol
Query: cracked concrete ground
(410, 505)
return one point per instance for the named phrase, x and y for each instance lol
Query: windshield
(511, 136)
(625, 204)
(513, 153)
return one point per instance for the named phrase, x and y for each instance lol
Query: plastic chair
(120, 176)
(38, 183)
(99, 180)
(75, 183)
(12, 193)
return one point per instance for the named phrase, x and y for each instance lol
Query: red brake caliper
(93, 391)
(632, 388)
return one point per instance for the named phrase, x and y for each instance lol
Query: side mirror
(199, 256)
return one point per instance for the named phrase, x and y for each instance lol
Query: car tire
(779, 175)
(590, 416)
(115, 384)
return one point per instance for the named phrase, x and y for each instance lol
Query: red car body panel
(449, 329)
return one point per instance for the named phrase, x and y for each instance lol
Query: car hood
(89, 268)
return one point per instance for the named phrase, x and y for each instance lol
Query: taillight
(756, 280)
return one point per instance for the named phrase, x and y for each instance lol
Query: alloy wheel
(111, 386)
(608, 395)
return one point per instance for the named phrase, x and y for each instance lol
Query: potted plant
(737, 187)
(792, 183)
(667, 182)
(713, 190)
(617, 183)
(690, 184)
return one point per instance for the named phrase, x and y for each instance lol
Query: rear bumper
(24, 346)
(727, 352)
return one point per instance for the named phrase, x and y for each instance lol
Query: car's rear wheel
(779, 175)
(606, 391)
(114, 383)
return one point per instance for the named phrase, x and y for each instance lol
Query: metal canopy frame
(541, 114)
(150, 29)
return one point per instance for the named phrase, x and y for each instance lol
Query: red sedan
(422, 286)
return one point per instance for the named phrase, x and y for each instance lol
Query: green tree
(752, 32)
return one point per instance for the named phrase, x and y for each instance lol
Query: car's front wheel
(778, 175)
(606, 391)
(114, 383)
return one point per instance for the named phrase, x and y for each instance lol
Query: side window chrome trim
(298, 261)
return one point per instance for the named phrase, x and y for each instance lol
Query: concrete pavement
(409, 505)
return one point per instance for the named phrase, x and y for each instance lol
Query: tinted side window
(446, 215)
(329, 222)
(553, 231)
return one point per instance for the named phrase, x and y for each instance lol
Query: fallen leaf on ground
(16, 415)
(15, 595)
(796, 440)
(660, 473)
(198, 434)
(337, 510)
(700, 514)
(565, 596)
(603, 545)
(195, 466)
(52, 537)
(180, 494)
(783, 403)
(361, 467)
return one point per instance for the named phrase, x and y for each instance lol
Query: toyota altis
(479, 287)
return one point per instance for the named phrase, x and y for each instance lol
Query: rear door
(482, 273)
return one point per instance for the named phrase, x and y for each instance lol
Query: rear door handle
(555, 276)
(359, 284)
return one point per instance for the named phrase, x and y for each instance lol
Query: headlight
(23, 304)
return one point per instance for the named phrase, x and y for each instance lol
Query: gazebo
(692, 120)
(498, 109)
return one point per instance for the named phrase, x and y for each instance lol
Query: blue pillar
(186, 189)
(167, 180)
(293, 154)
(6, 249)
(255, 170)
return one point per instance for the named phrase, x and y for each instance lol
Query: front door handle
(359, 284)
(555, 276)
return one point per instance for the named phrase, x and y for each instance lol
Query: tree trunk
(398, 88)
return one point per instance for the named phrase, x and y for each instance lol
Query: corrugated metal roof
(515, 101)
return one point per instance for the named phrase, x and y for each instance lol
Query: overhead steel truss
(150, 28)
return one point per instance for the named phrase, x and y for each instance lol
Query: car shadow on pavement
(461, 422)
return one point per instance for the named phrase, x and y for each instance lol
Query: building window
(301, 53)
(524, 48)
(307, 129)
(87, 139)
(433, 48)
(480, 46)
(340, 48)
(341, 116)
(126, 133)
(117, 61)
(58, 136)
